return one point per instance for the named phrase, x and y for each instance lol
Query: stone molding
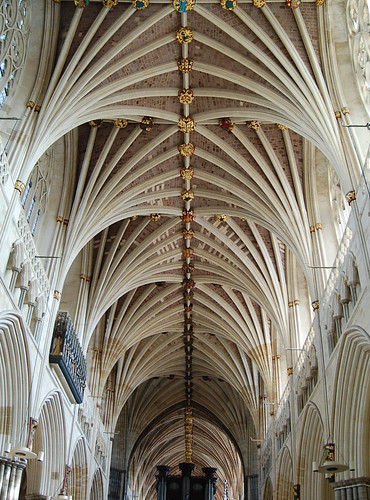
(347, 483)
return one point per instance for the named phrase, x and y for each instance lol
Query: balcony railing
(67, 356)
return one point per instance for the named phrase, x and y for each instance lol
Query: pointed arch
(97, 489)
(79, 473)
(14, 381)
(351, 403)
(284, 482)
(46, 478)
(268, 490)
(313, 484)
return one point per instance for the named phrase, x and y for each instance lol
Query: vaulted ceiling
(196, 136)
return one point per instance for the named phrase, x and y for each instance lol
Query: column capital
(163, 470)
(186, 468)
(19, 464)
(209, 472)
(357, 481)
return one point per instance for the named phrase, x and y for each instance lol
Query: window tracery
(36, 194)
(307, 378)
(15, 21)
(358, 23)
(338, 205)
(4, 165)
(283, 421)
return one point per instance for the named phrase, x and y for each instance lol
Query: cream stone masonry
(185, 247)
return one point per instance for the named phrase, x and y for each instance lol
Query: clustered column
(352, 489)
(10, 477)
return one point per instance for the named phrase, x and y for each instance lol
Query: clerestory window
(36, 194)
(358, 21)
(14, 29)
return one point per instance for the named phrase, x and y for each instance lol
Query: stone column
(5, 478)
(186, 470)
(161, 481)
(10, 478)
(209, 473)
(352, 489)
(2, 472)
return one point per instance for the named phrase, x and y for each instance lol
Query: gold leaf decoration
(185, 65)
(186, 124)
(120, 123)
(187, 173)
(254, 124)
(186, 149)
(184, 34)
(187, 194)
(186, 96)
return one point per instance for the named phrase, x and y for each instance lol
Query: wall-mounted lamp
(63, 492)
(25, 452)
(367, 125)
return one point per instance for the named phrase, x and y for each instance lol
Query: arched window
(358, 18)
(36, 193)
(339, 208)
(14, 28)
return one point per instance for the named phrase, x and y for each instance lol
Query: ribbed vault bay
(203, 250)
(222, 431)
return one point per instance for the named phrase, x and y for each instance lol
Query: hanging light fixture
(328, 464)
(25, 452)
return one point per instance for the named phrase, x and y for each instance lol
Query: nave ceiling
(207, 245)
